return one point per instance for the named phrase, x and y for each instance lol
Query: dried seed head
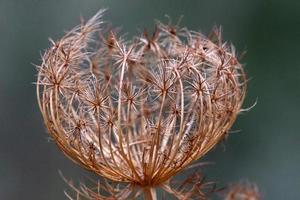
(139, 111)
(243, 191)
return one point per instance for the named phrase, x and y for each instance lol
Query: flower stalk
(149, 193)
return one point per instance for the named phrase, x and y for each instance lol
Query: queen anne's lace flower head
(243, 191)
(139, 111)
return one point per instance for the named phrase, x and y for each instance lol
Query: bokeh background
(266, 150)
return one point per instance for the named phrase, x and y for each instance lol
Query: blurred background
(266, 150)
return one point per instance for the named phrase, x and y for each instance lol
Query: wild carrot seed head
(139, 111)
(243, 191)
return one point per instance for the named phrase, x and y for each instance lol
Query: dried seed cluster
(139, 111)
(243, 191)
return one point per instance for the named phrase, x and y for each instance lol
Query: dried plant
(243, 191)
(140, 111)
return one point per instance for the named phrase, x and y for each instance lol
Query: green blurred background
(266, 151)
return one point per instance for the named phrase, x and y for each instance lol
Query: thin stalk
(149, 193)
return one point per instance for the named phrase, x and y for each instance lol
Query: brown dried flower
(139, 111)
(243, 191)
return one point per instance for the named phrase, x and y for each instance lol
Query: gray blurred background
(266, 151)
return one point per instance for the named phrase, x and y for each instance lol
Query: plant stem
(150, 193)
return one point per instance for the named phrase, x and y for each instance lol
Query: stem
(150, 193)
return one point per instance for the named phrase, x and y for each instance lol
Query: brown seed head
(243, 191)
(139, 111)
